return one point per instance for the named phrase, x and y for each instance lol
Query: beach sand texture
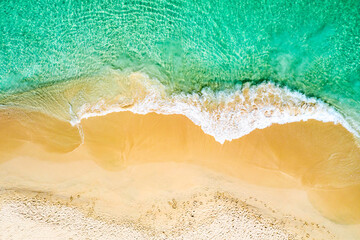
(119, 165)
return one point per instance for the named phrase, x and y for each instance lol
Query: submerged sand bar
(303, 175)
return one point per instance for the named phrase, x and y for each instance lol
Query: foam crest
(226, 115)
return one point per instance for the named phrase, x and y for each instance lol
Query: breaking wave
(226, 115)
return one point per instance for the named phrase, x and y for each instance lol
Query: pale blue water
(309, 46)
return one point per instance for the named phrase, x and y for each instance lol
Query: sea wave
(226, 115)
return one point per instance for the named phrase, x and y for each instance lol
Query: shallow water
(311, 47)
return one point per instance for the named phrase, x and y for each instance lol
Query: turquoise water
(309, 46)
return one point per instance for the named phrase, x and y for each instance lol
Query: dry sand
(144, 176)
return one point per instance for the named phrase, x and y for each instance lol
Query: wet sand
(123, 160)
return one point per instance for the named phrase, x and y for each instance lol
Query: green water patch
(308, 46)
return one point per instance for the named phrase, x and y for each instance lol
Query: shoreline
(226, 115)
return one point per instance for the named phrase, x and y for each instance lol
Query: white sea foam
(226, 115)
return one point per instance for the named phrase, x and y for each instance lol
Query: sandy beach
(148, 173)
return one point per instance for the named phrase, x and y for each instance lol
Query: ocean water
(201, 58)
